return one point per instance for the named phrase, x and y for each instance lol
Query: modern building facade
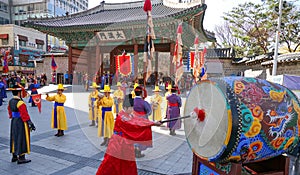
(24, 9)
(5, 17)
(19, 11)
(26, 46)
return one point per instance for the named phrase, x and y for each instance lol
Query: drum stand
(276, 166)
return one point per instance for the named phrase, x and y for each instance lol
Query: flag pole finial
(147, 5)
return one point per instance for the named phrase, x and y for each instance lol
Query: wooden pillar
(172, 69)
(101, 64)
(70, 64)
(156, 67)
(136, 59)
(90, 71)
(112, 67)
(97, 58)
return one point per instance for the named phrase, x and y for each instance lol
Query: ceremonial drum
(246, 120)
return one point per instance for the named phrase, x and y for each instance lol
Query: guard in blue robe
(141, 109)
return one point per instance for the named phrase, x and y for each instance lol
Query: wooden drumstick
(197, 113)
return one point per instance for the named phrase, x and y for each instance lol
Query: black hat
(128, 101)
(15, 87)
(174, 89)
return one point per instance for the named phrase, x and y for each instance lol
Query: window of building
(23, 40)
(22, 43)
(4, 39)
(39, 46)
(4, 42)
(4, 21)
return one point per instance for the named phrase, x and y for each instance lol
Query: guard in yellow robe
(156, 101)
(132, 92)
(105, 117)
(118, 99)
(93, 108)
(166, 95)
(59, 119)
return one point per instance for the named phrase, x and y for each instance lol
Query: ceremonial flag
(124, 64)
(132, 64)
(177, 58)
(203, 74)
(6, 56)
(37, 100)
(196, 64)
(149, 45)
(117, 67)
(53, 64)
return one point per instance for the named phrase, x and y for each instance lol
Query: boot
(104, 141)
(106, 144)
(93, 123)
(23, 160)
(139, 154)
(14, 158)
(172, 132)
(61, 133)
(58, 131)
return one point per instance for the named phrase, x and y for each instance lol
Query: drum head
(207, 138)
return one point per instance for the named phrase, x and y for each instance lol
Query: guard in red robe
(21, 126)
(129, 129)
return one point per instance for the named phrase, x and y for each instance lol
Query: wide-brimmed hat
(14, 88)
(119, 84)
(156, 89)
(94, 85)
(106, 89)
(169, 86)
(135, 85)
(60, 87)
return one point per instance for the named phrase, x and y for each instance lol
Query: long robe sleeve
(50, 98)
(137, 129)
(147, 108)
(9, 112)
(23, 111)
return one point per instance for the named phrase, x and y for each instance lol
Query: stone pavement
(78, 152)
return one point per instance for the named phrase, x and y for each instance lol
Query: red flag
(117, 67)
(23, 92)
(147, 6)
(37, 100)
(124, 64)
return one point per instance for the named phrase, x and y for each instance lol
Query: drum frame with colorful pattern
(254, 131)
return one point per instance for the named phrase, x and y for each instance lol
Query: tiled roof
(259, 58)
(240, 60)
(105, 14)
(284, 58)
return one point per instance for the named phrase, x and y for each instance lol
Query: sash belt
(16, 115)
